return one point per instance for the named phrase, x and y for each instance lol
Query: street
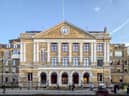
(52, 92)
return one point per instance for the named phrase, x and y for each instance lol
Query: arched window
(75, 78)
(64, 78)
(54, 78)
(43, 78)
(86, 78)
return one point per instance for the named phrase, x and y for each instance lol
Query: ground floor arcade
(63, 76)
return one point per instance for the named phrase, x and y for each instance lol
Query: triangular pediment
(64, 30)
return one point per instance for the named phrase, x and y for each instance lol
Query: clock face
(64, 30)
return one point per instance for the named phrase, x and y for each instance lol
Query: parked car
(102, 91)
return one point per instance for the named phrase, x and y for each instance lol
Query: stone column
(59, 79)
(34, 52)
(105, 53)
(70, 78)
(108, 52)
(49, 80)
(81, 53)
(70, 52)
(37, 52)
(80, 79)
(48, 51)
(90, 77)
(59, 52)
(92, 50)
(21, 53)
(95, 53)
(24, 52)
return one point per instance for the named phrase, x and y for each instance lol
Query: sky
(18, 16)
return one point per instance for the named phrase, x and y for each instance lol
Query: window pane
(86, 61)
(54, 61)
(75, 61)
(54, 47)
(100, 47)
(99, 76)
(86, 47)
(14, 62)
(43, 56)
(30, 76)
(64, 47)
(75, 47)
(118, 53)
(65, 61)
(100, 62)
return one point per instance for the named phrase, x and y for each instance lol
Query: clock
(64, 30)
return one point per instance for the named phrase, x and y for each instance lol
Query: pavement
(50, 92)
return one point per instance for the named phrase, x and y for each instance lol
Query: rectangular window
(43, 55)
(14, 62)
(100, 47)
(53, 47)
(100, 62)
(6, 54)
(86, 47)
(15, 52)
(13, 70)
(30, 76)
(126, 70)
(15, 46)
(6, 62)
(6, 79)
(18, 45)
(118, 70)
(65, 61)
(64, 47)
(100, 77)
(118, 53)
(86, 62)
(75, 47)
(54, 61)
(75, 61)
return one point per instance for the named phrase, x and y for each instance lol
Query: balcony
(15, 56)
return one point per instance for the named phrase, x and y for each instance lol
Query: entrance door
(54, 78)
(43, 78)
(64, 78)
(86, 78)
(75, 78)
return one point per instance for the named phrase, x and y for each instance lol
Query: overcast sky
(17, 16)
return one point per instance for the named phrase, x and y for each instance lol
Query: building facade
(64, 55)
(119, 63)
(9, 63)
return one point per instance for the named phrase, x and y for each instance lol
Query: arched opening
(75, 78)
(86, 78)
(43, 78)
(54, 78)
(65, 78)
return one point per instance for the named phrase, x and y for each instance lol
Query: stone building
(2, 48)
(14, 44)
(119, 63)
(64, 55)
(9, 63)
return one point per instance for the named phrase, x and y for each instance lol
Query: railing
(61, 65)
